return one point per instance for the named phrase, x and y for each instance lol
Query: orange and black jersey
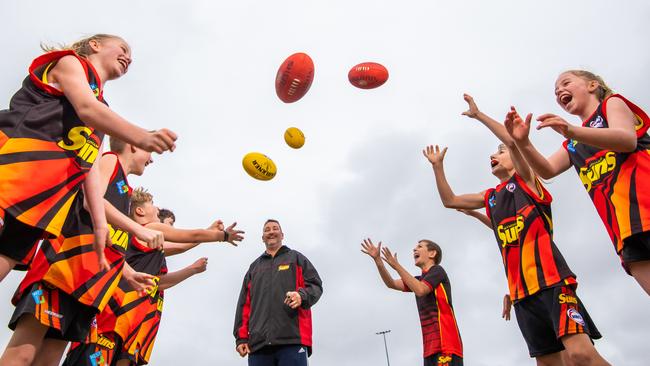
(42, 136)
(137, 319)
(616, 182)
(69, 261)
(522, 224)
(440, 332)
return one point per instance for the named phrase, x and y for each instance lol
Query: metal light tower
(383, 333)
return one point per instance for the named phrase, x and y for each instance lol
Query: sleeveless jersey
(69, 262)
(522, 224)
(138, 318)
(46, 151)
(616, 182)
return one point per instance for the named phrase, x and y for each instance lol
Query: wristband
(225, 236)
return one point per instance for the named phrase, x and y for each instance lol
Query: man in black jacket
(273, 318)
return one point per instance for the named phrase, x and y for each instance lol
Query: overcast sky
(206, 70)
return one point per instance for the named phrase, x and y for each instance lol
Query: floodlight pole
(383, 333)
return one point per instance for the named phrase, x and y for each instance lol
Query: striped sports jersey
(440, 332)
(69, 262)
(522, 223)
(138, 318)
(46, 151)
(616, 182)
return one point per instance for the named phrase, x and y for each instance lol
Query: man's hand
(293, 299)
(507, 305)
(243, 349)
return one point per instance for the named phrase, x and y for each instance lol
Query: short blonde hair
(82, 46)
(139, 198)
(603, 90)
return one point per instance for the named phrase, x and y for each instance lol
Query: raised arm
(71, 77)
(410, 282)
(477, 215)
(447, 196)
(557, 163)
(374, 252)
(172, 248)
(620, 136)
(230, 234)
(172, 279)
(495, 127)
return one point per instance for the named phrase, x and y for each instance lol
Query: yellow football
(294, 137)
(259, 166)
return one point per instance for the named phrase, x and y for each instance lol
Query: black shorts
(636, 248)
(19, 241)
(93, 354)
(443, 359)
(549, 315)
(66, 318)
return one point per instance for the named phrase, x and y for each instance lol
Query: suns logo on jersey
(509, 231)
(596, 169)
(152, 291)
(119, 237)
(97, 359)
(639, 122)
(444, 359)
(567, 299)
(160, 304)
(80, 141)
(105, 342)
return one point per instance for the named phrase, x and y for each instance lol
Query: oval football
(294, 77)
(294, 137)
(259, 166)
(368, 75)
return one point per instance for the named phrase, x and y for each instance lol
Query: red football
(368, 75)
(294, 77)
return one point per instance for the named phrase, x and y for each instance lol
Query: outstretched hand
(369, 248)
(558, 124)
(233, 236)
(390, 258)
(517, 128)
(472, 111)
(434, 155)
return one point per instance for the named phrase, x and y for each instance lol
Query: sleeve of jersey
(313, 286)
(243, 313)
(433, 278)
